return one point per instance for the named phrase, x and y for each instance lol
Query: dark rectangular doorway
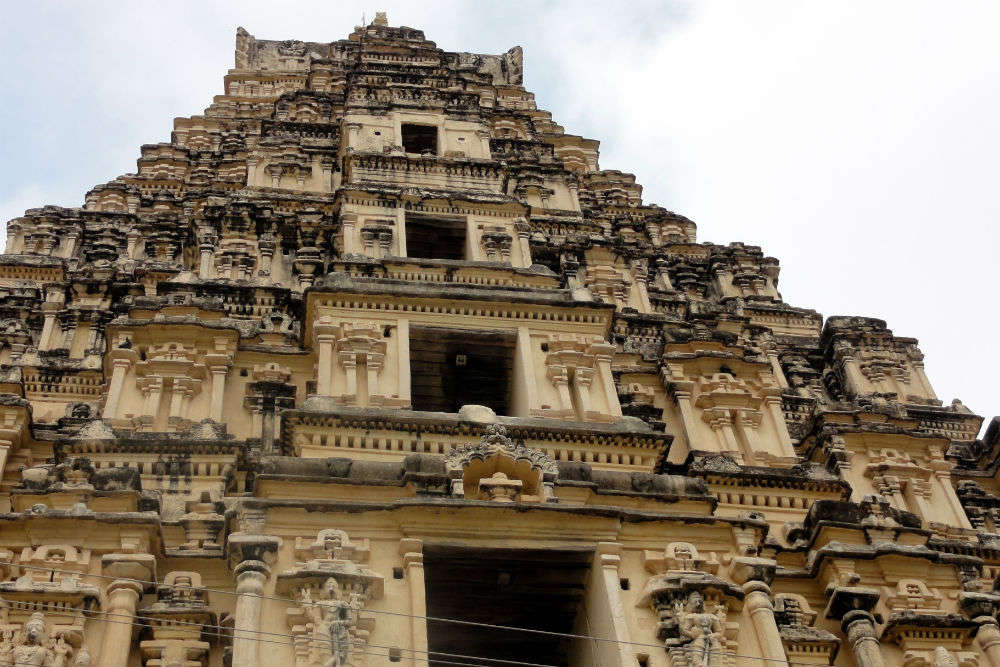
(450, 368)
(430, 237)
(536, 589)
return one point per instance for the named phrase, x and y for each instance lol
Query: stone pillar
(5, 446)
(943, 476)
(403, 362)
(121, 361)
(523, 231)
(119, 611)
(206, 251)
(776, 370)
(559, 376)
(325, 335)
(219, 373)
(853, 376)
(988, 639)
(349, 360)
(249, 556)
(682, 397)
(412, 551)
(582, 379)
(69, 243)
(50, 309)
(131, 573)
(152, 387)
(756, 575)
(777, 413)
(604, 353)
(724, 280)
(859, 626)
(348, 226)
(618, 650)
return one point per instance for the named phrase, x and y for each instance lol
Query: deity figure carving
(333, 616)
(32, 648)
(703, 629)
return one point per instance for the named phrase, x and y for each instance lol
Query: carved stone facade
(372, 359)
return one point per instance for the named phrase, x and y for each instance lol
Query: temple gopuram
(372, 363)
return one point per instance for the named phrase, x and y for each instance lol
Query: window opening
(450, 368)
(539, 589)
(420, 139)
(435, 238)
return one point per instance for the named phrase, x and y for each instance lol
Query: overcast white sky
(855, 140)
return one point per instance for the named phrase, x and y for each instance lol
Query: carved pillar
(682, 397)
(755, 575)
(249, 555)
(121, 597)
(219, 372)
(69, 243)
(582, 379)
(152, 388)
(559, 376)
(50, 309)
(618, 650)
(325, 336)
(206, 251)
(853, 377)
(988, 639)
(943, 476)
(121, 361)
(777, 413)
(603, 354)
(640, 271)
(776, 370)
(523, 231)
(413, 569)
(859, 626)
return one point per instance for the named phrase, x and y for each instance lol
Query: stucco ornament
(33, 647)
(499, 469)
(703, 630)
(329, 624)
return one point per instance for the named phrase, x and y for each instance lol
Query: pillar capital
(129, 567)
(858, 624)
(256, 551)
(747, 571)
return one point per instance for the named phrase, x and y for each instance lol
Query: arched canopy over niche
(496, 468)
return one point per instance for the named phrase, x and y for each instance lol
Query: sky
(857, 141)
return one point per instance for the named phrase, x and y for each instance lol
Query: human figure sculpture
(31, 652)
(332, 617)
(82, 658)
(704, 630)
(7, 640)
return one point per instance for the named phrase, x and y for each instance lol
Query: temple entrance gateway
(537, 589)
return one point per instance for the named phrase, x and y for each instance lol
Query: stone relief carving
(496, 468)
(332, 588)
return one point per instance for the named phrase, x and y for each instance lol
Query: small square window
(420, 139)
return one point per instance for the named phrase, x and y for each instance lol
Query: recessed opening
(535, 589)
(642, 659)
(450, 368)
(397, 573)
(420, 139)
(429, 237)
(624, 583)
(395, 654)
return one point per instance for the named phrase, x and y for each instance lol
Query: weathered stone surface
(376, 331)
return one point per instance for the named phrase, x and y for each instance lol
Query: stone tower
(373, 363)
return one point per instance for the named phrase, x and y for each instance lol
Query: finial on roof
(380, 19)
